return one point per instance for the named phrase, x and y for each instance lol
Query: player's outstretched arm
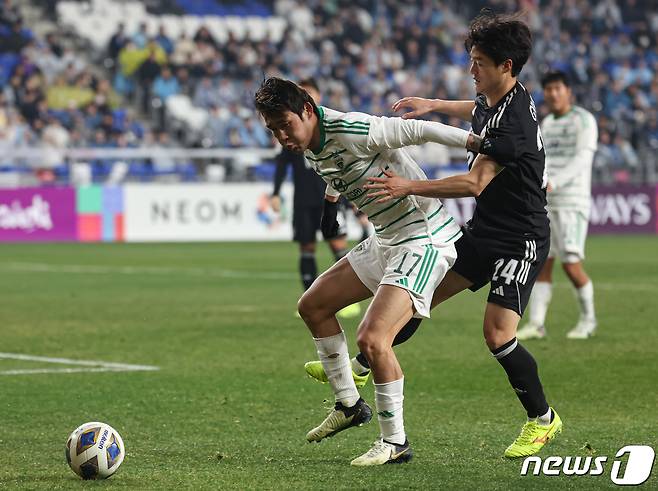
(419, 106)
(388, 133)
(471, 184)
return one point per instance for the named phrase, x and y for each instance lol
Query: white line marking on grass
(90, 365)
(143, 270)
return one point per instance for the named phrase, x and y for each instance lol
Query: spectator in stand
(165, 85)
(164, 41)
(253, 134)
(203, 36)
(206, 95)
(141, 37)
(183, 50)
(117, 42)
(216, 130)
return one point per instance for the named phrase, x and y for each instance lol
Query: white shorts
(568, 234)
(417, 268)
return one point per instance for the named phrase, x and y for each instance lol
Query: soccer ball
(94, 451)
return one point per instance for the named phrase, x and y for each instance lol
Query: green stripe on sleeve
(345, 123)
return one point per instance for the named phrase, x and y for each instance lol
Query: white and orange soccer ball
(94, 451)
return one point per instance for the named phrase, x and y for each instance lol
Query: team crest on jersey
(339, 185)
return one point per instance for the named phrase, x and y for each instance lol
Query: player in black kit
(507, 240)
(308, 202)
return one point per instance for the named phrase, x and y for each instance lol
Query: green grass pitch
(230, 405)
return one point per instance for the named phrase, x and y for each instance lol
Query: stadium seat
(236, 26)
(256, 28)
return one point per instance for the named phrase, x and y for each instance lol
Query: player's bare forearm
(467, 185)
(419, 106)
(471, 184)
(458, 109)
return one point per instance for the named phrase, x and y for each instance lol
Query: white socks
(388, 401)
(336, 363)
(585, 296)
(545, 419)
(543, 292)
(541, 296)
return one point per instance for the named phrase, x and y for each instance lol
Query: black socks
(308, 269)
(521, 370)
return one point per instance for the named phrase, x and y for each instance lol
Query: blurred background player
(570, 134)
(308, 200)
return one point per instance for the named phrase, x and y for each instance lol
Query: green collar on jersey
(565, 114)
(320, 114)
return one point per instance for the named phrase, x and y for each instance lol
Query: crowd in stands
(365, 54)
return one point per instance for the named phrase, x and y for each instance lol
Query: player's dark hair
(309, 82)
(500, 37)
(276, 95)
(555, 76)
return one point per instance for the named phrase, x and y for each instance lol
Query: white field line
(143, 270)
(90, 365)
(228, 273)
(31, 371)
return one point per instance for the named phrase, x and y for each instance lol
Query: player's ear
(308, 110)
(507, 65)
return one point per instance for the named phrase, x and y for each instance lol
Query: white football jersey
(356, 146)
(570, 141)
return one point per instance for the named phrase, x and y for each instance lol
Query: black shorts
(510, 266)
(306, 223)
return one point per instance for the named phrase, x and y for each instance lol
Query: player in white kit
(570, 134)
(401, 265)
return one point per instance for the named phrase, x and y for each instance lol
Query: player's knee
(495, 336)
(307, 306)
(370, 345)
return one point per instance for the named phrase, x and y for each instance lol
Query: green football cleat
(315, 370)
(533, 437)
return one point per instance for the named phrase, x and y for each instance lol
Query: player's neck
(499, 92)
(563, 111)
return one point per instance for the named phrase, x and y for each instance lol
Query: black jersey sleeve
(506, 136)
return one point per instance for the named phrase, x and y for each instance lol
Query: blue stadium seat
(187, 171)
(263, 172)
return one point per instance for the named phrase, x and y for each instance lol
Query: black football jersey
(513, 206)
(309, 187)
